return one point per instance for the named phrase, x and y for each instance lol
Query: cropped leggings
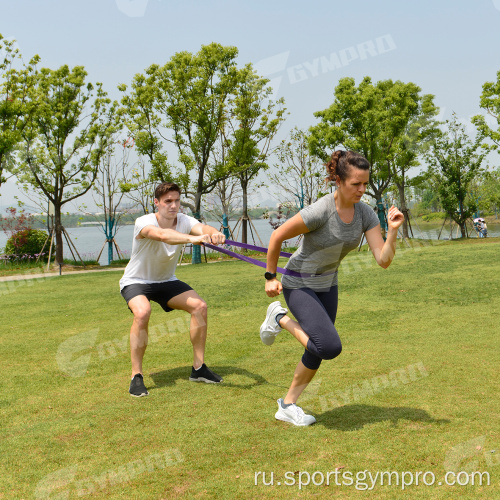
(316, 312)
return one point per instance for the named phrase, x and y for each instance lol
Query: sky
(449, 48)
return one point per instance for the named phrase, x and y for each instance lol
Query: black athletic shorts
(157, 292)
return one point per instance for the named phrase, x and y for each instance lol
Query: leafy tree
(455, 161)
(377, 121)
(183, 103)
(490, 101)
(251, 124)
(420, 130)
(15, 108)
(141, 187)
(428, 198)
(299, 175)
(485, 190)
(65, 138)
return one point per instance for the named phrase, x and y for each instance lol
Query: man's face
(168, 205)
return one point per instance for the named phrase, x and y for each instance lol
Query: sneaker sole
(262, 339)
(206, 380)
(139, 395)
(267, 320)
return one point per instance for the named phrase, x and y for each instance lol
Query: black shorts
(157, 292)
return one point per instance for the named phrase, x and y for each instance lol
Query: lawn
(415, 389)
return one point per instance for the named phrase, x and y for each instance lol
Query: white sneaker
(269, 329)
(293, 414)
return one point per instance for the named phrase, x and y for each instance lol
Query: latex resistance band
(256, 262)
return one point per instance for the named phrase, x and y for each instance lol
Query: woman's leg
(301, 379)
(315, 330)
(315, 313)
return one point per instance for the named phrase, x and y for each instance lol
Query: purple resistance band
(256, 262)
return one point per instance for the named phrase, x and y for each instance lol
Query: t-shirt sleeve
(370, 219)
(142, 222)
(316, 215)
(186, 223)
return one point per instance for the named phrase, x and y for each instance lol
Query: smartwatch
(269, 276)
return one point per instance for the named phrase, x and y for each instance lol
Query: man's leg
(141, 308)
(192, 303)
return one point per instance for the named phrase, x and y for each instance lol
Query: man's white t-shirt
(153, 261)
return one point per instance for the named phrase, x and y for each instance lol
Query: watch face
(269, 276)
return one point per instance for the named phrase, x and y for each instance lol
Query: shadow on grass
(355, 417)
(169, 377)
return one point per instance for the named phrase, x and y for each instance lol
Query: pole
(196, 259)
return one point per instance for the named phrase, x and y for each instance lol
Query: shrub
(26, 242)
(434, 216)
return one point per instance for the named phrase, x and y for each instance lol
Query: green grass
(69, 425)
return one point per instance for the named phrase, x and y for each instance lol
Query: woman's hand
(273, 288)
(394, 218)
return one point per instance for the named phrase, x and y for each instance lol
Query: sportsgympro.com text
(367, 480)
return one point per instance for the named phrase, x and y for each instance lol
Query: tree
(252, 122)
(300, 176)
(187, 96)
(223, 201)
(141, 188)
(371, 119)
(65, 138)
(455, 162)
(15, 108)
(111, 184)
(490, 101)
(485, 190)
(420, 130)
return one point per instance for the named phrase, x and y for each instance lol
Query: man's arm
(216, 237)
(173, 237)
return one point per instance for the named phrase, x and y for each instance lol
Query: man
(150, 275)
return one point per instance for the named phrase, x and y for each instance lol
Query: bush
(434, 216)
(26, 242)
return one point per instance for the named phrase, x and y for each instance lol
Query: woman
(332, 227)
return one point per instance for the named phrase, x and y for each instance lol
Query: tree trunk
(463, 229)
(196, 256)
(109, 237)
(244, 220)
(58, 229)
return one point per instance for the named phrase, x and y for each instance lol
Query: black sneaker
(204, 375)
(137, 387)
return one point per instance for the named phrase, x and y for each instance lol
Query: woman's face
(354, 187)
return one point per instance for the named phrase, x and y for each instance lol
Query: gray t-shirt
(328, 242)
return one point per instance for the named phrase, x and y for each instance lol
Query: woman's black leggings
(315, 312)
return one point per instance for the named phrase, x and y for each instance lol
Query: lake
(90, 239)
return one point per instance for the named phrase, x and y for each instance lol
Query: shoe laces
(299, 411)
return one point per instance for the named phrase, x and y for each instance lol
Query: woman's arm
(290, 229)
(384, 251)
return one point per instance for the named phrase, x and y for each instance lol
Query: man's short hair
(166, 187)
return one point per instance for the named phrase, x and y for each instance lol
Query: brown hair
(166, 187)
(339, 164)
